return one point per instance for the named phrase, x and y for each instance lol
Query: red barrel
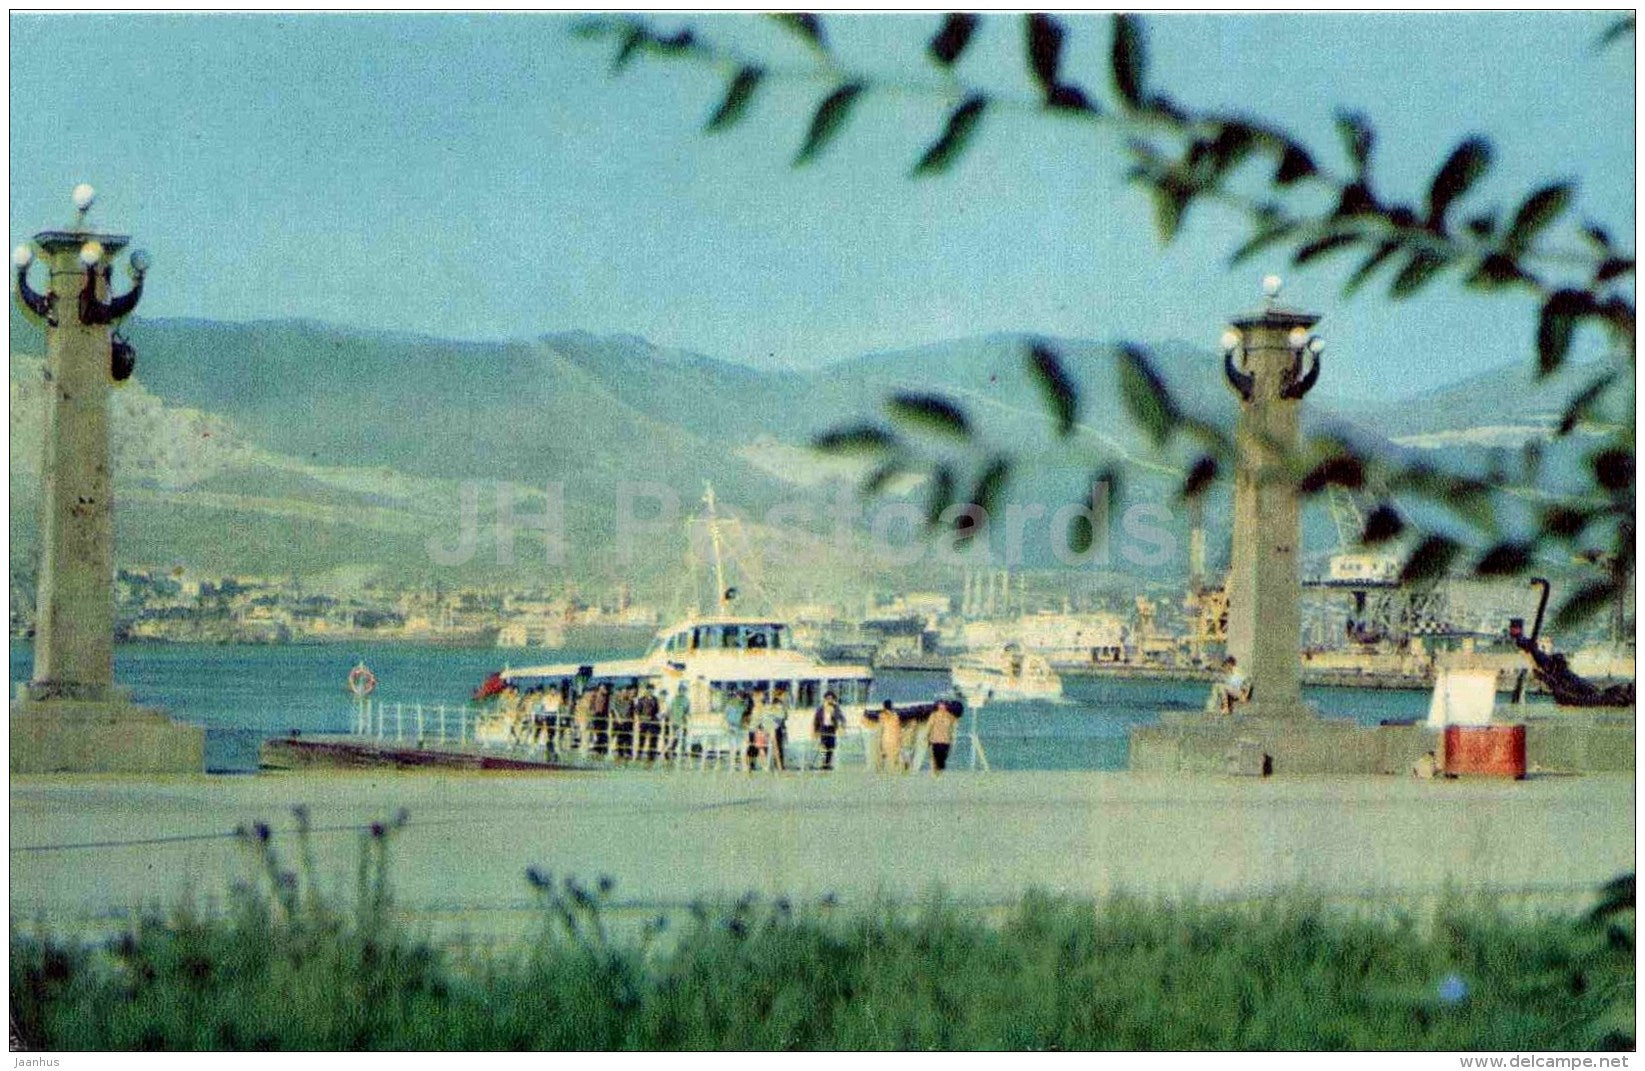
(1485, 750)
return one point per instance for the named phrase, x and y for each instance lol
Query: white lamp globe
(1316, 345)
(22, 256)
(1271, 285)
(91, 253)
(1230, 339)
(84, 195)
(139, 263)
(1298, 337)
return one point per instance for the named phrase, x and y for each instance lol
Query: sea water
(245, 694)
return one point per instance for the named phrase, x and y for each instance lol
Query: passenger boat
(711, 658)
(1007, 674)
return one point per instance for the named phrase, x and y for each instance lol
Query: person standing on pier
(649, 714)
(622, 722)
(777, 712)
(599, 718)
(826, 725)
(739, 716)
(941, 734)
(582, 708)
(679, 712)
(890, 740)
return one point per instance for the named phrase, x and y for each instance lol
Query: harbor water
(245, 694)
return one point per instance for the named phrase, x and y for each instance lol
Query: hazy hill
(269, 446)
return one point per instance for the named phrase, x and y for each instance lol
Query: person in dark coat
(649, 713)
(599, 718)
(826, 725)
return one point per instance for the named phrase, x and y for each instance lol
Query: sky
(484, 177)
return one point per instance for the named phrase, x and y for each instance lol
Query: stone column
(74, 630)
(71, 717)
(1271, 361)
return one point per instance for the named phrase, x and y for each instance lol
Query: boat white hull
(979, 686)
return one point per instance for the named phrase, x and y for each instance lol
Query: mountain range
(298, 447)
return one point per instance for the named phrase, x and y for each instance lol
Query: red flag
(493, 685)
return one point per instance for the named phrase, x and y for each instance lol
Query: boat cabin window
(850, 690)
(762, 637)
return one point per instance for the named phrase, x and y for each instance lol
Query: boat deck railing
(562, 740)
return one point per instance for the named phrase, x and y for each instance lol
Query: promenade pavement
(87, 850)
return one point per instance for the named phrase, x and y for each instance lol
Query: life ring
(361, 681)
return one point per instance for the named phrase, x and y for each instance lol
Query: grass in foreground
(281, 968)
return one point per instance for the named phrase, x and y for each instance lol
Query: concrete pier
(1564, 743)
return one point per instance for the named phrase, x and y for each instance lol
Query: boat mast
(720, 599)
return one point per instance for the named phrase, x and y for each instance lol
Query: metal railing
(695, 745)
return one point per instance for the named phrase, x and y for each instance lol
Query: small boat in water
(702, 665)
(1008, 674)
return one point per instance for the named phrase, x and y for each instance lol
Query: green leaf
(593, 27)
(1563, 522)
(881, 477)
(941, 494)
(1576, 411)
(1261, 240)
(854, 439)
(1358, 138)
(805, 25)
(1616, 31)
(1130, 59)
(1613, 268)
(737, 96)
(1583, 604)
(1357, 200)
(1044, 49)
(1071, 98)
(830, 117)
(931, 412)
(1212, 438)
(962, 122)
(1320, 247)
(1557, 325)
(1105, 488)
(1467, 163)
(1170, 202)
(1146, 396)
(1539, 210)
(1061, 396)
(990, 485)
(632, 40)
(1614, 469)
(1342, 470)
(1505, 559)
(1430, 560)
(1369, 266)
(1383, 523)
(681, 41)
(951, 39)
(1496, 271)
(1416, 274)
(1201, 474)
(1294, 165)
